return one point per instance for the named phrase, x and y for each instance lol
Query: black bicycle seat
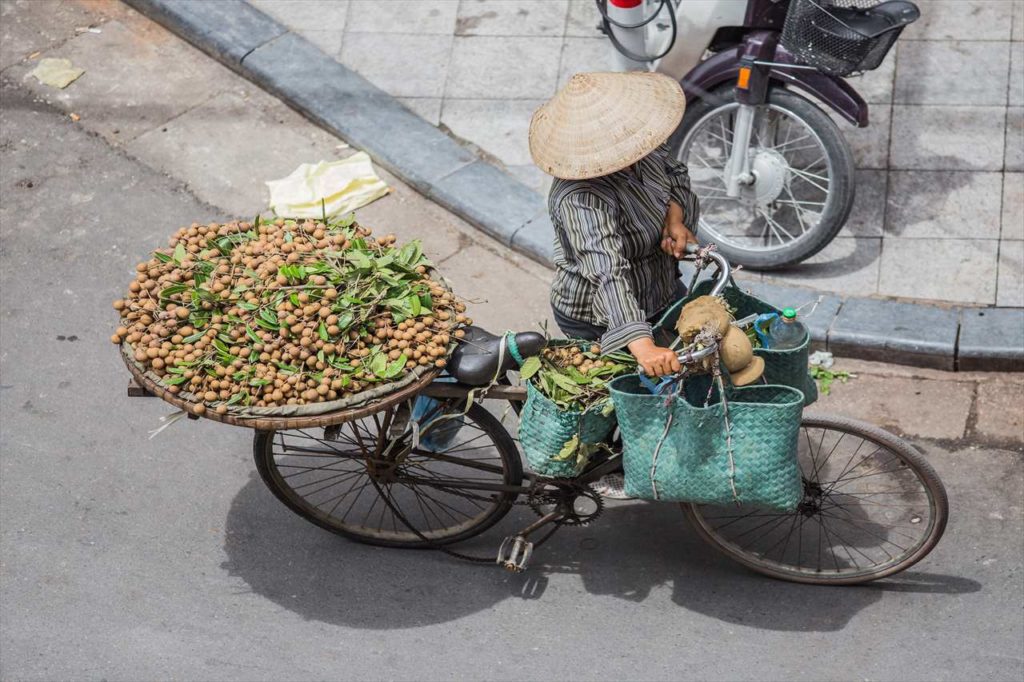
(874, 21)
(475, 361)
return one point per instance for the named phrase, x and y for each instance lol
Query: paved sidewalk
(940, 181)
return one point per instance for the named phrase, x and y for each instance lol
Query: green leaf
(288, 237)
(252, 335)
(167, 292)
(345, 320)
(295, 300)
(238, 397)
(395, 367)
(162, 257)
(414, 305)
(530, 367)
(245, 305)
(323, 331)
(287, 369)
(565, 383)
(192, 338)
(175, 381)
(259, 382)
(179, 253)
(378, 364)
(320, 355)
(568, 449)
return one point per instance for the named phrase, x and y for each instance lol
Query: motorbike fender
(724, 68)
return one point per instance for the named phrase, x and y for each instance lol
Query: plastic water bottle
(786, 331)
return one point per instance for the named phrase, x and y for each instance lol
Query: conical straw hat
(600, 123)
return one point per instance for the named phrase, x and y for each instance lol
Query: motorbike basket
(840, 37)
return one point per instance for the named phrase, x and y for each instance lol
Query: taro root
(735, 349)
(287, 312)
(701, 312)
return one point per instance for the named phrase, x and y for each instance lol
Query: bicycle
(872, 506)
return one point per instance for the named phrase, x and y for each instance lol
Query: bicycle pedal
(514, 553)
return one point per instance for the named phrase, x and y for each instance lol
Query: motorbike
(773, 172)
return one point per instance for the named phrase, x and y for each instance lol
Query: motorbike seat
(875, 21)
(475, 361)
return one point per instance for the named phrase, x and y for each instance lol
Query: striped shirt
(611, 271)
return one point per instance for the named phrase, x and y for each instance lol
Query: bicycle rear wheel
(872, 507)
(366, 482)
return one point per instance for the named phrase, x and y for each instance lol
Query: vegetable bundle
(284, 313)
(575, 377)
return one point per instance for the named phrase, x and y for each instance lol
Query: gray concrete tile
(1011, 273)
(514, 68)
(28, 26)
(867, 217)
(947, 138)
(583, 20)
(961, 20)
(483, 277)
(1018, 21)
(848, 265)
(997, 420)
(959, 270)
(427, 108)
(1015, 97)
(536, 237)
(306, 15)
(532, 177)
(328, 40)
(403, 16)
(156, 80)
(943, 204)
(401, 64)
(225, 30)
(895, 332)
(503, 18)
(489, 198)
(1013, 159)
(344, 102)
(870, 145)
(991, 339)
(580, 55)
(498, 126)
(1013, 206)
(876, 86)
(233, 175)
(952, 72)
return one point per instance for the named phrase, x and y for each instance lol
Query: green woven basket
(781, 367)
(677, 450)
(544, 428)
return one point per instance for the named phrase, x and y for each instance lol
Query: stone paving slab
(849, 265)
(944, 205)
(1013, 206)
(947, 137)
(895, 332)
(992, 339)
(959, 20)
(939, 270)
(925, 66)
(998, 415)
(1010, 284)
(520, 18)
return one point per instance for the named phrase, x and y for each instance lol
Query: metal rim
(337, 478)
(765, 223)
(856, 523)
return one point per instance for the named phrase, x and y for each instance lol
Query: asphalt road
(125, 558)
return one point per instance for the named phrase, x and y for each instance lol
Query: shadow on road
(633, 551)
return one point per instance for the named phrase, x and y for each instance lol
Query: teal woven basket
(674, 449)
(781, 367)
(544, 428)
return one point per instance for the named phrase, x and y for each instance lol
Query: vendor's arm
(683, 212)
(590, 225)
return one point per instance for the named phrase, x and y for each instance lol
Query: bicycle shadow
(632, 551)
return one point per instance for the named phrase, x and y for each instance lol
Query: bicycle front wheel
(372, 482)
(872, 507)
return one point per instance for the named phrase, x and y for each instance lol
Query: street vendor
(621, 207)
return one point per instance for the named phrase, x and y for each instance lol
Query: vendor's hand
(654, 360)
(674, 234)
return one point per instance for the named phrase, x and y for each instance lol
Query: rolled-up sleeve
(679, 190)
(589, 223)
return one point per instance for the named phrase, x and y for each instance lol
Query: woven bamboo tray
(265, 423)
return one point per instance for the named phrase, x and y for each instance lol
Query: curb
(343, 102)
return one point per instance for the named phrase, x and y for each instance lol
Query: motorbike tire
(841, 192)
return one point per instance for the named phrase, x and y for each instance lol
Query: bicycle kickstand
(515, 551)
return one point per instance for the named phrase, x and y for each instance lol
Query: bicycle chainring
(578, 502)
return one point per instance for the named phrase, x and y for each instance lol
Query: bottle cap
(789, 314)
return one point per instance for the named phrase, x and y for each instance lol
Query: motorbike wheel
(803, 184)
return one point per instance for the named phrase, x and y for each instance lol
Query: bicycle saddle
(874, 21)
(475, 361)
